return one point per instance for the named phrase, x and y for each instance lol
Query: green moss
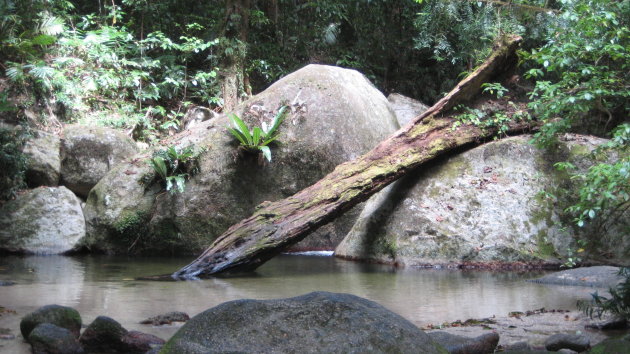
(545, 248)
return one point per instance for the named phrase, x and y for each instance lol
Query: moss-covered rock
(482, 206)
(104, 334)
(88, 153)
(46, 220)
(335, 115)
(61, 316)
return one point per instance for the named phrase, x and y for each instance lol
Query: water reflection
(107, 286)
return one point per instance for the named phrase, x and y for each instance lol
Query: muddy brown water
(101, 285)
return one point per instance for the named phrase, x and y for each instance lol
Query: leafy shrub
(13, 162)
(618, 304)
(258, 138)
(174, 166)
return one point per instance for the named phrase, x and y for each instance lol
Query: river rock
(88, 153)
(597, 276)
(576, 342)
(335, 116)
(138, 342)
(479, 207)
(405, 108)
(46, 220)
(316, 322)
(61, 316)
(44, 162)
(47, 338)
(617, 345)
(167, 318)
(104, 334)
(483, 344)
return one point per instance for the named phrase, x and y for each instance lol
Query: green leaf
(238, 135)
(242, 127)
(266, 152)
(277, 120)
(256, 136)
(159, 166)
(43, 40)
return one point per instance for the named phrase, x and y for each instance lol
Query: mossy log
(276, 225)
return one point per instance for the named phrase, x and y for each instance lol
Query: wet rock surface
(315, 322)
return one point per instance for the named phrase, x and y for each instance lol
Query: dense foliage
(617, 304)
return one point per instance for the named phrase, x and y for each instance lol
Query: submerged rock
(44, 161)
(46, 220)
(335, 115)
(167, 318)
(61, 316)
(480, 207)
(316, 322)
(485, 343)
(88, 153)
(597, 276)
(47, 338)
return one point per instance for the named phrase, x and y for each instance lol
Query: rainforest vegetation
(138, 65)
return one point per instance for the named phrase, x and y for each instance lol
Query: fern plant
(174, 166)
(258, 138)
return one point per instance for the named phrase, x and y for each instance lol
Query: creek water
(101, 285)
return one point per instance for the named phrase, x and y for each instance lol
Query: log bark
(276, 225)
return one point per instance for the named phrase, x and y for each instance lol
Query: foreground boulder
(482, 206)
(88, 153)
(44, 162)
(575, 342)
(335, 115)
(316, 322)
(47, 338)
(46, 220)
(60, 316)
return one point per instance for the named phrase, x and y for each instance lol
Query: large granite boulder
(335, 116)
(317, 322)
(44, 162)
(482, 206)
(88, 153)
(405, 108)
(46, 220)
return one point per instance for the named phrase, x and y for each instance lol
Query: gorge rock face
(483, 205)
(335, 115)
(88, 153)
(44, 165)
(45, 220)
(316, 322)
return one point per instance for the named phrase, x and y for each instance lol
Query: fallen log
(276, 225)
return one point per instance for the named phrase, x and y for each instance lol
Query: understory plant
(174, 166)
(618, 304)
(257, 139)
(13, 162)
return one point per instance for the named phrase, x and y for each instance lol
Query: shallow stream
(101, 285)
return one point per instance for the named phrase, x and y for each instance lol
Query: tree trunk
(236, 31)
(276, 225)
